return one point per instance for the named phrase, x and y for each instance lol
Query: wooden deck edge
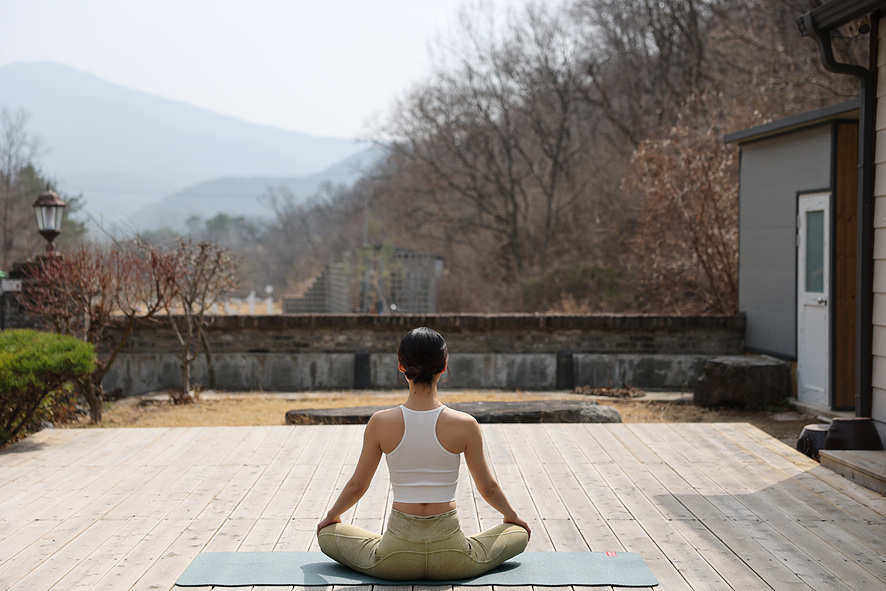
(867, 468)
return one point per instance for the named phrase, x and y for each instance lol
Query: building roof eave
(839, 12)
(845, 110)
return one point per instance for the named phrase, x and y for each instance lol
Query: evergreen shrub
(591, 286)
(36, 371)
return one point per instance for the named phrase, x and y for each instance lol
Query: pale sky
(323, 67)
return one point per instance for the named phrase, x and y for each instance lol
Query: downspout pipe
(865, 240)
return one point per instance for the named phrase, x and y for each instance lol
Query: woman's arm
(362, 477)
(489, 488)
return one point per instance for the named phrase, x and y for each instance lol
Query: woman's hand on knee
(328, 520)
(517, 521)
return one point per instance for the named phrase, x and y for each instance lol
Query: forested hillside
(571, 160)
(575, 162)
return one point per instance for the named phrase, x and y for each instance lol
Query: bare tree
(756, 56)
(686, 246)
(204, 275)
(643, 57)
(86, 291)
(305, 234)
(497, 139)
(19, 186)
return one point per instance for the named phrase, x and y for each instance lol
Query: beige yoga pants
(414, 547)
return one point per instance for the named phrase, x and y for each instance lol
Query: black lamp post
(50, 212)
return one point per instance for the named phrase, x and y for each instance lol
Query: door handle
(821, 300)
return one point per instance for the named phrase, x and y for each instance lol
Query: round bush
(36, 369)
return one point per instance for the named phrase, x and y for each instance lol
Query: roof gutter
(818, 24)
(831, 15)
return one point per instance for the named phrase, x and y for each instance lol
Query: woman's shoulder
(387, 415)
(458, 417)
(386, 427)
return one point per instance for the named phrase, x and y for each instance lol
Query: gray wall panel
(773, 171)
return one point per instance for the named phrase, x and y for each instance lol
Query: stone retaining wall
(304, 352)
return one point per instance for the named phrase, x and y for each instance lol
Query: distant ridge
(240, 196)
(124, 148)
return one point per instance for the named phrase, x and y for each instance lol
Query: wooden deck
(708, 506)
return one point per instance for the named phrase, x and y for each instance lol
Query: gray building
(330, 293)
(390, 281)
(797, 247)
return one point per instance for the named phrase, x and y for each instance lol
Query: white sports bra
(421, 469)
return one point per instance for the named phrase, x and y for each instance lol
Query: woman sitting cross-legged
(422, 441)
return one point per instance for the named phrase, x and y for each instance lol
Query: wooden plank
(587, 520)
(800, 496)
(523, 488)
(42, 444)
(277, 483)
(272, 483)
(23, 471)
(580, 452)
(668, 440)
(198, 492)
(371, 520)
(126, 445)
(711, 523)
(668, 535)
(264, 535)
(228, 485)
(325, 483)
(719, 449)
(66, 480)
(824, 481)
(787, 540)
(88, 571)
(75, 525)
(810, 489)
(290, 491)
(542, 491)
(349, 588)
(734, 572)
(663, 499)
(840, 489)
(495, 445)
(635, 539)
(123, 498)
(57, 498)
(57, 559)
(54, 446)
(467, 499)
(707, 506)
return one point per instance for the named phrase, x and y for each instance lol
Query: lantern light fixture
(50, 213)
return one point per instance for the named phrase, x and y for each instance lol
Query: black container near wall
(853, 433)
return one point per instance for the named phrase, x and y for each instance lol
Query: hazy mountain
(123, 148)
(240, 196)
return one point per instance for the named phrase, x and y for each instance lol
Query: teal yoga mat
(551, 569)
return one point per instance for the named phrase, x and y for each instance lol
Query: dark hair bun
(413, 372)
(423, 354)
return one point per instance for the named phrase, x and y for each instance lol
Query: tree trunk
(209, 367)
(186, 373)
(93, 397)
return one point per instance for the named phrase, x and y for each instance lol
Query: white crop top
(421, 469)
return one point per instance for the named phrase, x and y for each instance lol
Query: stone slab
(748, 381)
(534, 411)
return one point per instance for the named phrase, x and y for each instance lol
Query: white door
(813, 287)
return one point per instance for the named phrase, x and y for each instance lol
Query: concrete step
(867, 468)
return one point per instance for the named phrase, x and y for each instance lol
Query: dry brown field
(258, 408)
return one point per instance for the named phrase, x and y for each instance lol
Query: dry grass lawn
(219, 409)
